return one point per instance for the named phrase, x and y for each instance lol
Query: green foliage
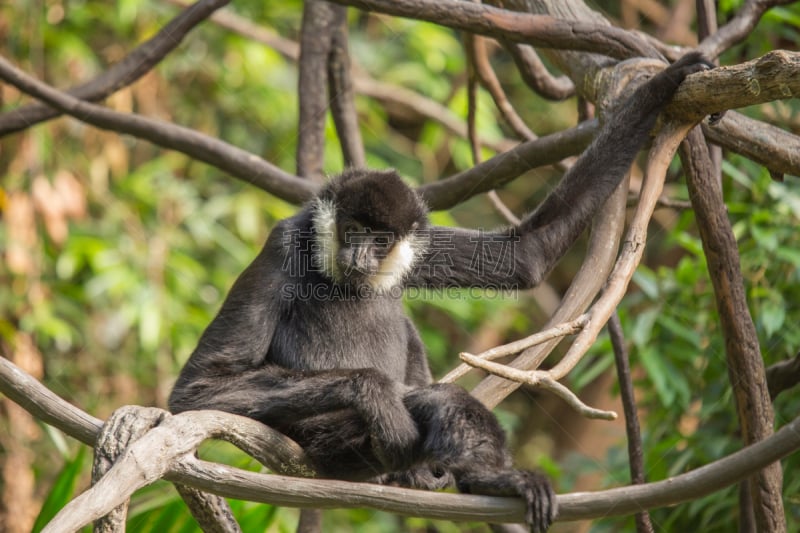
(62, 490)
(686, 406)
(116, 305)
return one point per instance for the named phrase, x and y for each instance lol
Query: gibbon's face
(366, 229)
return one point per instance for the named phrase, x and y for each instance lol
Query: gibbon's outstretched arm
(522, 256)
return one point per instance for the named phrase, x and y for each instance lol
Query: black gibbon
(312, 339)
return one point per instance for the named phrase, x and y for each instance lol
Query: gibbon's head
(366, 224)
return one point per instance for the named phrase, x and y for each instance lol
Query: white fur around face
(395, 265)
(324, 220)
(393, 268)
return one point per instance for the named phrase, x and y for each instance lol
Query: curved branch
(503, 168)
(537, 30)
(21, 388)
(479, 57)
(738, 28)
(535, 74)
(664, 147)
(131, 68)
(600, 254)
(239, 163)
(152, 456)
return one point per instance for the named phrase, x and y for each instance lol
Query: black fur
(313, 352)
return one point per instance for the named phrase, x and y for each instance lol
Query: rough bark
(745, 365)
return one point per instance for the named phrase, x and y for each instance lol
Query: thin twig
(635, 453)
(476, 51)
(538, 378)
(474, 45)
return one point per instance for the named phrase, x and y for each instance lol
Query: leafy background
(116, 254)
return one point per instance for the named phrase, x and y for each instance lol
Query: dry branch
(601, 252)
(663, 149)
(557, 332)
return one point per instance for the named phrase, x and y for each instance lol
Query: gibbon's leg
(459, 435)
(341, 405)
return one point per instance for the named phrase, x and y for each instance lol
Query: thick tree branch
(239, 163)
(745, 365)
(141, 466)
(320, 19)
(134, 66)
(536, 30)
(281, 490)
(770, 77)
(774, 148)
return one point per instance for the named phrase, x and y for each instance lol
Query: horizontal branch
(239, 163)
(297, 492)
(773, 76)
(536, 30)
(774, 148)
(507, 166)
(281, 490)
